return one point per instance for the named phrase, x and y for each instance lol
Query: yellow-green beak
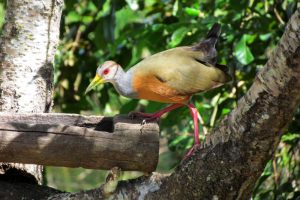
(96, 81)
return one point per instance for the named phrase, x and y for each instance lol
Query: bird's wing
(179, 71)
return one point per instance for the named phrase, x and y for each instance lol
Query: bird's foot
(191, 151)
(147, 117)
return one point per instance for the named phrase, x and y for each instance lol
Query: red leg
(194, 113)
(158, 114)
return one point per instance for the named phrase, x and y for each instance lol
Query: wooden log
(71, 140)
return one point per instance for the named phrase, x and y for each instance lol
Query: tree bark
(27, 47)
(92, 142)
(24, 191)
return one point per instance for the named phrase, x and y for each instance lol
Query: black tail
(207, 46)
(213, 34)
(211, 38)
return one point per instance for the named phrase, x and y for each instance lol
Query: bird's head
(105, 73)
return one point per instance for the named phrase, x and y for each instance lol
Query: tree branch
(82, 141)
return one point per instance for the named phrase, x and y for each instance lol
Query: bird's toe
(135, 114)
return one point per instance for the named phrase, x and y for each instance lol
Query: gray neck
(123, 83)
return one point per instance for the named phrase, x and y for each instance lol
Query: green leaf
(290, 137)
(92, 7)
(87, 19)
(192, 11)
(2, 14)
(157, 27)
(126, 16)
(175, 8)
(265, 37)
(242, 52)
(225, 111)
(133, 4)
(73, 17)
(261, 180)
(178, 36)
(249, 38)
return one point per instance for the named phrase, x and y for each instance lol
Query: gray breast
(123, 84)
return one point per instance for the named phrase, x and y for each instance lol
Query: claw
(145, 116)
(191, 151)
(144, 122)
(135, 114)
(132, 114)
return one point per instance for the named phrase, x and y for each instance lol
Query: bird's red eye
(106, 71)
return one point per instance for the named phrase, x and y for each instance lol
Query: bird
(172, 76)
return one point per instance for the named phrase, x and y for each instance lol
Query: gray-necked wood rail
(171, 76)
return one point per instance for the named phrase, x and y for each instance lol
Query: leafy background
(93, 31)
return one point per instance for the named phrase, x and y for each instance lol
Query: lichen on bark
(27, 47)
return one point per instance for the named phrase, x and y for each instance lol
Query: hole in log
(106, 124)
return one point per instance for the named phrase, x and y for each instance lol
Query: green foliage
(2, 13)
(93, 31)
(72, 180)
(242, 51)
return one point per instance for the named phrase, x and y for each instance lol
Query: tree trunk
(27, 47)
